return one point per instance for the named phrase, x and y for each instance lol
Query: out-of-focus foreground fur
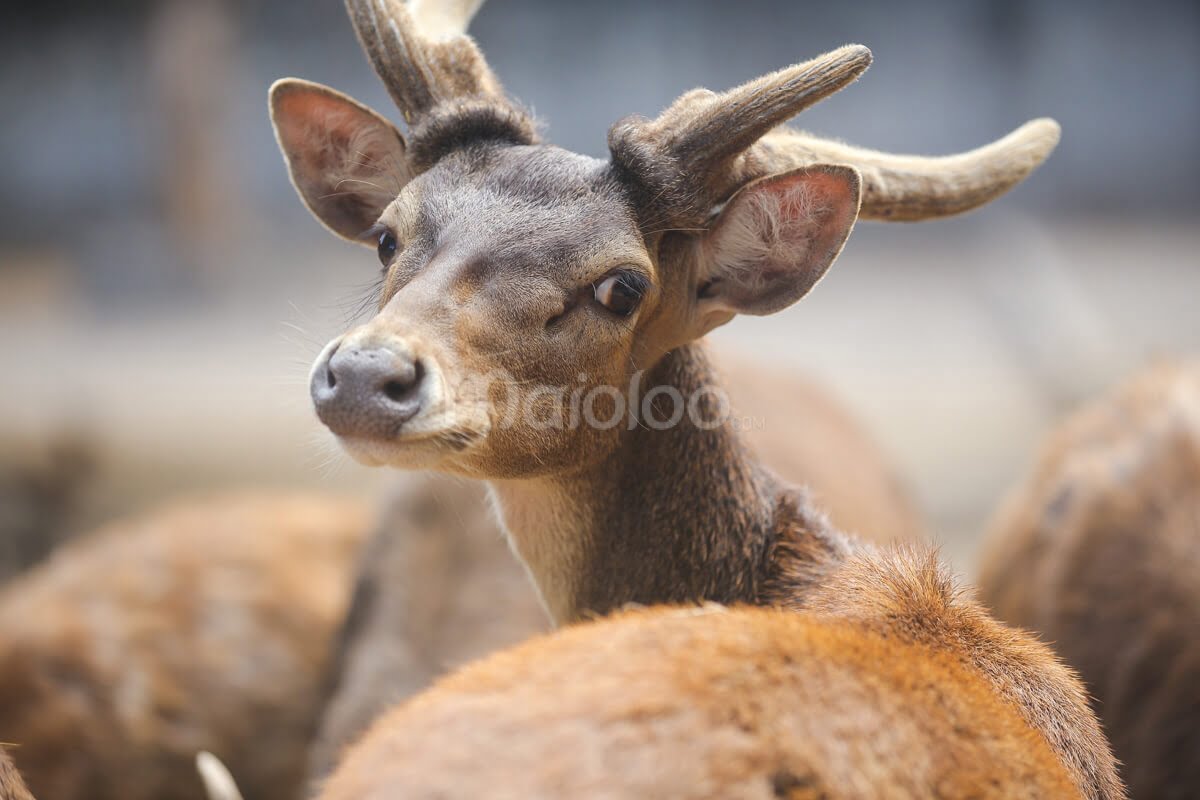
(712, 703)
(1099, 551)
(203, 626)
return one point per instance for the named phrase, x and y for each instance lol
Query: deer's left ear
(347, 162)
(774, 239)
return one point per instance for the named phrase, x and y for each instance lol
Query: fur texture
(202, 626)
(708, 703)
(1099, 552)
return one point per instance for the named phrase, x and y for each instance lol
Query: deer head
(510, 263)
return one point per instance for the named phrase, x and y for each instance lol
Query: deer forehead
(522, 210)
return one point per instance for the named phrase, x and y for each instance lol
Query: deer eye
(621, 292)
(387, 247)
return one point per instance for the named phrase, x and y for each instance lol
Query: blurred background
(162, 290)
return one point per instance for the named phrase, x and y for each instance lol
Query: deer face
(525, 287)
(514, 277)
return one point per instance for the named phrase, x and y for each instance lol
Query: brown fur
(11, 785)
(437, 585)
(201, 626)
(712, 703)
(1099, 552)
(494, 256)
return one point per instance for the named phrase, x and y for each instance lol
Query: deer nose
(367, 392)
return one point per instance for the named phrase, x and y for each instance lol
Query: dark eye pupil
(387, 247)
(619, 294)
(624, 297)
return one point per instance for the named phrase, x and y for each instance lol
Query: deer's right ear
(346, 162)
(774, 239)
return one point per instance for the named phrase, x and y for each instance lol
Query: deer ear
(346, 162)
(774, 239)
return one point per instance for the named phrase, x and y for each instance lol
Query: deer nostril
(395, 390)
(324, 378)
(401, 388)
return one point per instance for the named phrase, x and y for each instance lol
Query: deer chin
(424, 449)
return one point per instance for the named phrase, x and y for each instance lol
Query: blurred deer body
(1099, 552)
(514, 269)
(204, 626)
(437, 585)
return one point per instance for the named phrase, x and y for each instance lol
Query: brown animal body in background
(1099, 552)
(41, 492)
(11, 785)
(202, 626)
(519, 277)
(438, 587)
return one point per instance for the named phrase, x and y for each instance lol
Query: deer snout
(366, 391)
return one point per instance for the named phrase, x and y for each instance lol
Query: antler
(706, 145)
(441, 19)
(684, 156)
(436, 75)
(902, 188)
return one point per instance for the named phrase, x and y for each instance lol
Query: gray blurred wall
(87, 148)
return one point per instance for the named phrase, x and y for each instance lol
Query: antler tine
(901, 188)
(724, 125)
(441, 19)
(685, 153)
(420, 70)
(911, 188)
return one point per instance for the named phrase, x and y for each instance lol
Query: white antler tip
(1042, 134)
(443, 19)
(859, 52)
(218, 783)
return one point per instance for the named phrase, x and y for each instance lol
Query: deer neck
(681, 514)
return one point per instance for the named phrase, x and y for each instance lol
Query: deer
(437, 588)
(509, 263)
(1098, 551)
(201, 625)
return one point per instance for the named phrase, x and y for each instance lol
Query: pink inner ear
(346, 161)
(296, 114)
(811, 207)
(317, 128)
(779, 235)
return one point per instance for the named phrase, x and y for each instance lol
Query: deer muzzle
(367, 390)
